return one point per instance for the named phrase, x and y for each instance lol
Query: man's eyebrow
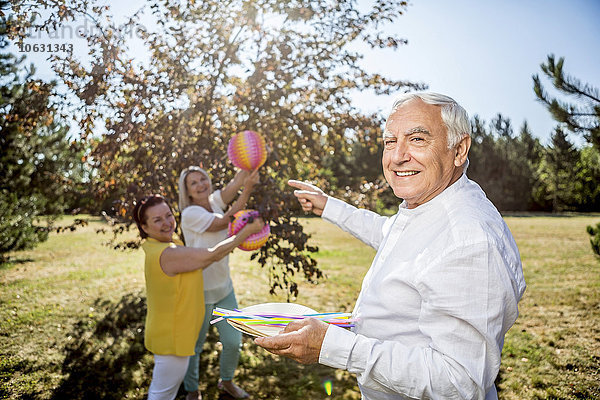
(388, 134)
(411, 131)
(417, 129)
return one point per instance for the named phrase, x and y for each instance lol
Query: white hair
(455, 117)
(184, 197)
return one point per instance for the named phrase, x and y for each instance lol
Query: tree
(530, 152)
(580, 117)
(558, 171)
(587, 176)
(282, 68)
(35, 156)
(504, 164)
(594, 232)
(485, 163)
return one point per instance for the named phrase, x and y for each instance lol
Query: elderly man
(443, 288)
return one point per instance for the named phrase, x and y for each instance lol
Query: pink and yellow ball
(247, 150)
(254, 241)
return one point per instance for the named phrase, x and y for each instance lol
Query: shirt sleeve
(217, 199)
(196, 219)
(365, 225)
(466, 307)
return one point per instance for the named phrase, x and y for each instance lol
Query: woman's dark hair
(139, 211)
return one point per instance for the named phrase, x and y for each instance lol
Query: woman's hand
(255, 226)
(241, 175)
(230, 191)
(252, 179)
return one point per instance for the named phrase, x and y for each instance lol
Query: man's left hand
(300, 341)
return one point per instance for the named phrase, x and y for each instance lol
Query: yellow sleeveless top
(175, 304)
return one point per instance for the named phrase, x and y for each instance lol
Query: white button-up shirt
(195, 220)
(437, 301)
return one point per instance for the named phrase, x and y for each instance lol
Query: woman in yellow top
(175, 302)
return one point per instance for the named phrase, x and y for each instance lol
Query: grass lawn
(72, 313)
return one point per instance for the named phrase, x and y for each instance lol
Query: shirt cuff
(336, 347)
(334, 208)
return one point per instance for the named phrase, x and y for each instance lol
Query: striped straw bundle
(253, 323)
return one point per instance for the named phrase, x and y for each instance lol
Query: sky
(482, 53)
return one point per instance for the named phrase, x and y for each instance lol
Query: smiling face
(417, 162)
(159, 222)
(198, 187)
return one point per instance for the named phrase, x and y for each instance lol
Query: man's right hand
(311, 198)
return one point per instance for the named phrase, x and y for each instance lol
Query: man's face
(416, 160)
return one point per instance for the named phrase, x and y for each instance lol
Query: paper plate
(267, 308)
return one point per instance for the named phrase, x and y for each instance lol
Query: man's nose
(400, 153)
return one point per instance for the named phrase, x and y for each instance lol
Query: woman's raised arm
(220, 223)
(180, 259)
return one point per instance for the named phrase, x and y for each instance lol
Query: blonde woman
(204, 222)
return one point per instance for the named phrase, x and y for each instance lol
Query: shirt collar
(440, 199)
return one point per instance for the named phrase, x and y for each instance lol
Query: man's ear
(462, 151)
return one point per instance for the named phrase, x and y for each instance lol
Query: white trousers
(167, 375)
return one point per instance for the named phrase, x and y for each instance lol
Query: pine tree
(558, 171)
(583, 117)
(594, 233)
(530, 152)
(587, 187)
(531, 145)
(35, 156)
(504, 164)
(580, 117)
(484, 162)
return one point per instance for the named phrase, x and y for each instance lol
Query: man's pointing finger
(304, 186)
